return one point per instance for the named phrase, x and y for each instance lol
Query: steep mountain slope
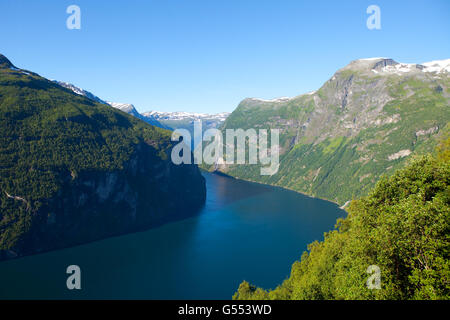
(165, 120)
(73, 170)
(401, 230)
(186, 120)
(362, 123)
(130, 109)
(80, 91)
(167, 117)
(125, 107)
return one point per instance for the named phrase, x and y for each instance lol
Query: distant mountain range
(190, 116)
(367, 120)
(186, 120)
(165, 120)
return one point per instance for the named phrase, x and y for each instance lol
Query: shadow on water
(245, 231)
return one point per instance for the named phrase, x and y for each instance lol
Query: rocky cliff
(365, 121)
(73, 170)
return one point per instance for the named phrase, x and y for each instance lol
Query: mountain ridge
(337, 141)
(74, 170)
(182, 115)
(5, 63)
(438, 66)
(165, 120)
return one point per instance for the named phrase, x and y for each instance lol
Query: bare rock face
(400, 154)
(365, 121)
(384, 63)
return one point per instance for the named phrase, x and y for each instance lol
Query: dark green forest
(49, 133)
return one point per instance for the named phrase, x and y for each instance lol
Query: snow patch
(125, 107)
(182, 115)
(438, 66)
(17, 69)
(281, 99)
(371, 59)
(79, 91)
(399, 68)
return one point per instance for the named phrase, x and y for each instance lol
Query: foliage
(402, 226)
(48, 133)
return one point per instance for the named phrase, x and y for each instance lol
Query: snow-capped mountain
(186, 120)
(368, 119)
(379, 65)
(165, 120)
(125, 107)
(130, 109)
(80, 91)
(438, 66)
(181, 115)
(387, 65)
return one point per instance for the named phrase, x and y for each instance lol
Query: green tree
(402, 227)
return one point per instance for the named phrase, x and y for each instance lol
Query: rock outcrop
(365, 121)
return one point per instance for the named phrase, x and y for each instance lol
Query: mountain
(80, 91)
(165, 120)
(399, 231)
(124, 107)
(74, 170)
(366, 121)
(130, 109)
(187, 116)
(186, 120)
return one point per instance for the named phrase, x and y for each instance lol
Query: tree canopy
(402, 227)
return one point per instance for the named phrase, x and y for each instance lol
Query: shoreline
(222, 174)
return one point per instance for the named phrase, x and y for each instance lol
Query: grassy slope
(340, 168)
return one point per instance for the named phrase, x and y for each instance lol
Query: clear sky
(206, 56)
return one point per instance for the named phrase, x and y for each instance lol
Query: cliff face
(93, 205)
(366, 121)
(74, 171)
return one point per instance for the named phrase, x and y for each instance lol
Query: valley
(82, 177)
(366, 121)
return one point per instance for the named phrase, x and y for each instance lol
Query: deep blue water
(246, 231)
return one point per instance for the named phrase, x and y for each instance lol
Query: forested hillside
(73, 170)
(402, 227)
(367, 120)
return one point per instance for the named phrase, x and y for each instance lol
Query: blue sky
(206, 56)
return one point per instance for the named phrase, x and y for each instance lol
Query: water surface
(246, 231)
